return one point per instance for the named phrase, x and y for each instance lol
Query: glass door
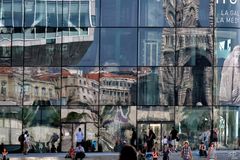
(160, 129)
(68, 135)
(166, 128)
(68, 132)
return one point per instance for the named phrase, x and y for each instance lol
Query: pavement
(221, 155)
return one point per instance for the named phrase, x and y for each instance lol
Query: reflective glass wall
(117, 68)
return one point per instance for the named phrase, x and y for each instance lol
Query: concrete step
(60, 156)
(221, 155)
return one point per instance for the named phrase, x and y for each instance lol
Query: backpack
(21, 138)
(154, 136)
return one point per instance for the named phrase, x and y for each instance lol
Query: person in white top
(26, 142)
(164, 141)
(79, 136)
(80, 152)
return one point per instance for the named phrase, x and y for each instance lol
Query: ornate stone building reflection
(192, 54)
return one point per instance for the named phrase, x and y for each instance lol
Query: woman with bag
(150, 141)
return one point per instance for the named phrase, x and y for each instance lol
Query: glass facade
(111, 66)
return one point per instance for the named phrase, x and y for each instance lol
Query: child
(166, 152)
(165, 141)
(154, 154)
(4, 154)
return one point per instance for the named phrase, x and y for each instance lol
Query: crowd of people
(149, 150)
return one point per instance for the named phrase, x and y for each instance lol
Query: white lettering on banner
(224, 1)
(230, 13)
(228, 20)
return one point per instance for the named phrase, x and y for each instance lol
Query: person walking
(150, 141)
(186, 152)
(174, 136)
(26, 142)
(166, 152)
(211, 152)
(79, 136)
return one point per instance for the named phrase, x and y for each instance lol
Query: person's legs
(205, 153)
(174, 144)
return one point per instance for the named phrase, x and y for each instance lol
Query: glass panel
(80, 86)
(76, 127)
(40, 17)
(17, 48)
(118, 86)
(194, 13)
(166, 132)
(226, 86)
(118, 47)
(151, 52)
(42, 51)
(80, 47)
(95, 15)
(227, 13)
(144, 134)
(92, 136)
(116, 123)
(11, 86)
(194, 125)
(227, 46)
(155, 113)
(89, 130)
(226, 127)
(45, 120)
(119, 13)
(29, 12)
(10, 124)
(6, 16)
(5, 49)
(194, 47)
(79, 114)
(76, 13)
(194, 85)
(91, 56)
(54, 16)
(42, 85)
(18, 13)
(152, 13)
(84, 16)
(156, 86)
(161, 130)
(67, 137)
